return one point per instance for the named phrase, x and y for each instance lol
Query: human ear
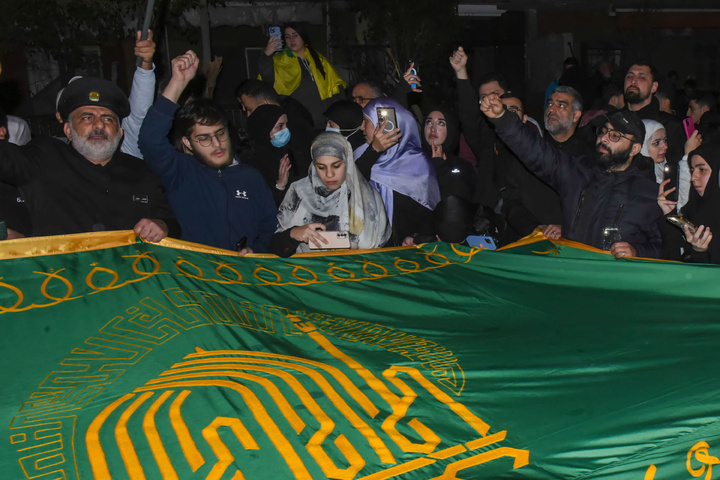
(187, 143)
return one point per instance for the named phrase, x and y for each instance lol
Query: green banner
(127, 360)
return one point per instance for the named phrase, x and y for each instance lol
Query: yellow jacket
(288, 73)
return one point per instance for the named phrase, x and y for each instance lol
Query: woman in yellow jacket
(302, 72)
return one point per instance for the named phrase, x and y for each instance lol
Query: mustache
(98, 132)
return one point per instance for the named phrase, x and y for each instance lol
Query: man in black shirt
(88, 185)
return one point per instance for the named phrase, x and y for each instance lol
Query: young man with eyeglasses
(217, 199)
(601, 193)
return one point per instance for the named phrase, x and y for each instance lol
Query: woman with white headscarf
(333, 197)
(655, 147)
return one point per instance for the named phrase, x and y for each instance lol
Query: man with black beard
(641, 83)
(88, 185)
(607, 202)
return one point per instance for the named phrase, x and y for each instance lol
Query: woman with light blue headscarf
(403, 174)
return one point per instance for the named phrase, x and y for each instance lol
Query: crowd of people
(325, 166)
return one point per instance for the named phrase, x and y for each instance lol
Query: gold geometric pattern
(312, 414)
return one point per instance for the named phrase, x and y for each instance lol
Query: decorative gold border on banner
(537, 236)
(84, 242)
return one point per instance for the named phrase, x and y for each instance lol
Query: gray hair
(577, 103)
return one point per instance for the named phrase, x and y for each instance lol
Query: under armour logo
(241, 194)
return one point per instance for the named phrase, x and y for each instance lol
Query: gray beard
(557, 127)
(94, 150)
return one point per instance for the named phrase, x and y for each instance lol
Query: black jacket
(592, 199)
(527, 201)
(65, 193)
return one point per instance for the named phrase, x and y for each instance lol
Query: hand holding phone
(681, 222)
(411, 77)
(689, 126)
(387, 113)
(275, 41)
(335, 240)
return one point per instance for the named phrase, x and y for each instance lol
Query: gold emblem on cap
(94, 96)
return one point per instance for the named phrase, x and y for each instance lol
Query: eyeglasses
(206, 140)
(613, 135)
(359, 99)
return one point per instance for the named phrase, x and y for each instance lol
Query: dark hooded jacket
(592, 199)
(215, 206)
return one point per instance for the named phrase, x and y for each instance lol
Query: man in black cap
(88, 185)
(607, 202)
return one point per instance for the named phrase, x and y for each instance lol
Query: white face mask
(331, 129)
(353, 132)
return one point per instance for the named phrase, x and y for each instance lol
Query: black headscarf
(455, 175)
(452, 141)
(349, 117)
(265, 156)
(705, 209)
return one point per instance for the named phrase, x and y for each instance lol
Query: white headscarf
(355, 207)
(651, 126)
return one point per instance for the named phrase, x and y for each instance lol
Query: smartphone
(242, 243)
(482, 241)
(274, 30)
(387, 113)
(414, 72)
(670, 173)
(667, 172)
(610, 236)
(689, 126)
(681, 221)
(336, 240)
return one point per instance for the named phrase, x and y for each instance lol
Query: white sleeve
(141, 98)
(683, 183)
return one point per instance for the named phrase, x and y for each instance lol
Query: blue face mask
(281, 138)
(331, 129)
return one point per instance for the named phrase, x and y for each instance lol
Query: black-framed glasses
(613, 135)
(206, 140)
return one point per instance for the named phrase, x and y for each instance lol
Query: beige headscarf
(355, 207)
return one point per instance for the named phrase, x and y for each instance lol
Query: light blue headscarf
(404, 167)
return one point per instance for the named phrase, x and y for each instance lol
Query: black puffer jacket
(591, 198)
